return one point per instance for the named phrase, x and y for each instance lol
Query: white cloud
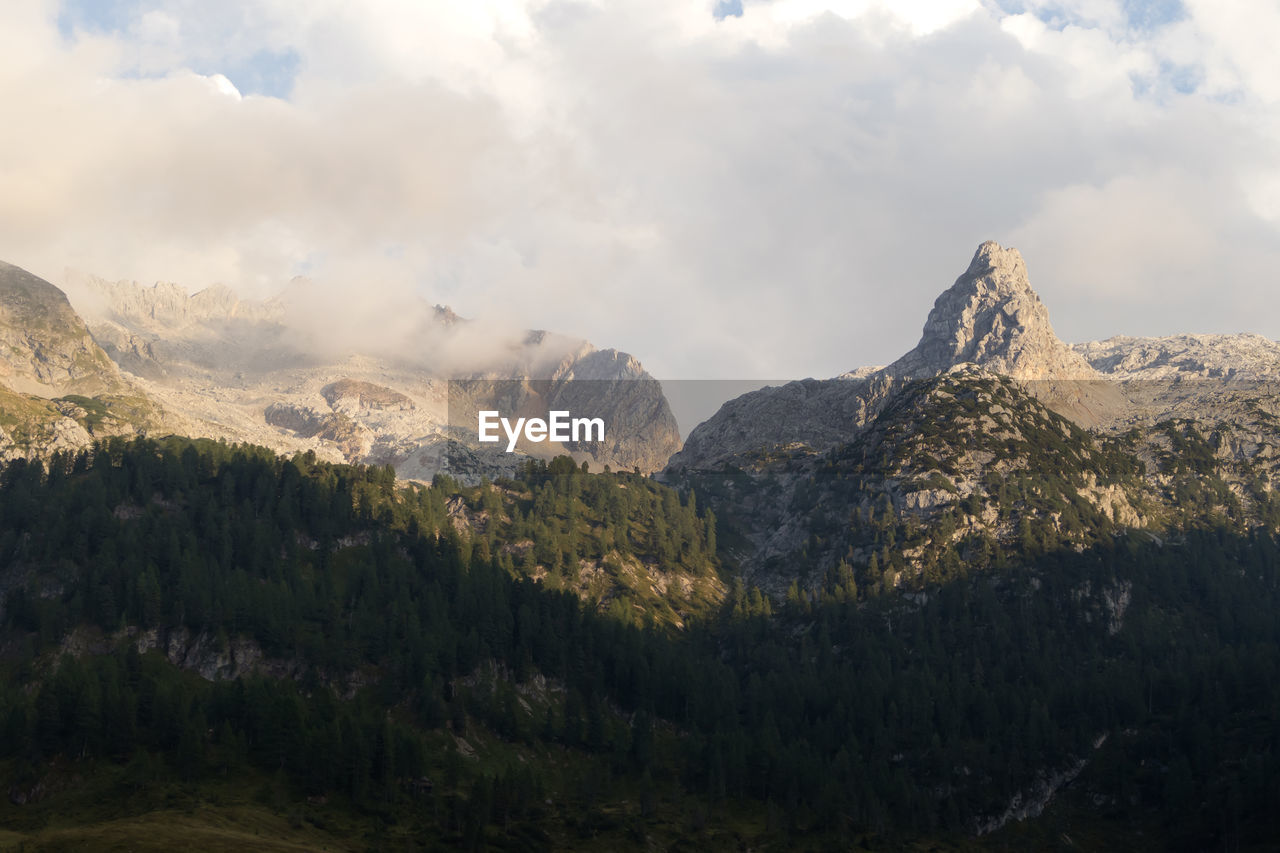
(223, 86)
(1094, 65)
(920, 17)
(1240, 45)
(780, 193)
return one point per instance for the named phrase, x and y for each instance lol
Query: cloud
(1237, 44)
(781, 192)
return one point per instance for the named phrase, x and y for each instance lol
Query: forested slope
(393, 666)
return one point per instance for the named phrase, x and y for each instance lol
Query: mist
(780, 193)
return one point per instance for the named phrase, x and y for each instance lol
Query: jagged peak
(999, 266)
(446, 316)
(164, 304)
(992, 317)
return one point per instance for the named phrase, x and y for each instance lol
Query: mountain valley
(1004, 593)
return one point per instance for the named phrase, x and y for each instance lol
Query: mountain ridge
(1186, 356)
(914, 604)
(990, 423)
(992, 318)
(59, 390)
(259, 371)
(48, 348)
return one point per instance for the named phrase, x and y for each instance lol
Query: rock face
(990, 426)
(808, 415)
(400, 387)
(1185, 357)
(932, 430)
(992, 317)
(58, 388)
(47, 349)
(148, 331)
(1222, 380)
(642, 431)
(352, 396)
(166, 305)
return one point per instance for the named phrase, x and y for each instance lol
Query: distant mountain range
(1004, 592)
(990, 425)
(297, 372)
(292, 374)
(992, 319)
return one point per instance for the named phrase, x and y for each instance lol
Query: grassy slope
(102, 807)
(29, 421)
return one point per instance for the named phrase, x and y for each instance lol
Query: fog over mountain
(995, 517)
(766, 194)
(365, 380)
(922, 542)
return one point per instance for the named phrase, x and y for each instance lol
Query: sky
(724, 188)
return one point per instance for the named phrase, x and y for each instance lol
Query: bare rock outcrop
(989, 318)
(47, 348)
(59, 390)
(1241, 357)
(352, 395)
(400, 387)
(992, 317)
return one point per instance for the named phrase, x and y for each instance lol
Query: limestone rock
(397, 387)
(45, 348)
(1185, 357)
(808, 415)
(58, 388)
(992, 317)
(352, 396)
(989, 318)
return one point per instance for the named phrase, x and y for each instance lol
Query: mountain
(58, 389)
(403, 389)
(214, 643)
(990, 317)
(993, 318)
(48, 350)
(1240, 358)
(988, 427)
(395, 383)
(924, 606)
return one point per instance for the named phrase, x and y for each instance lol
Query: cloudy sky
(725, 188)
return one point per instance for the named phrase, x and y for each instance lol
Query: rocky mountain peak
(166, 306)
(993, 318)
(446, 316)
(1175, 358)
(47, 347)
